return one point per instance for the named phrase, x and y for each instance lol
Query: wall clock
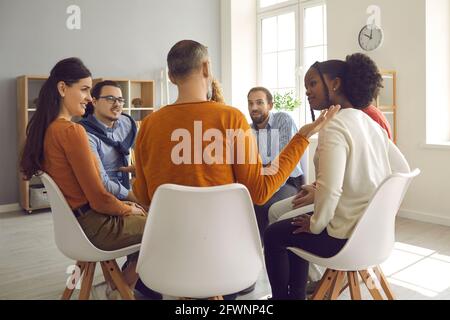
(371, 37)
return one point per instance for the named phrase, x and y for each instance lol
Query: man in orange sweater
(196, 142)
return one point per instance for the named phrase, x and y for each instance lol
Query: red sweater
(379, 118)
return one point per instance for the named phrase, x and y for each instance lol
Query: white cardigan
(351, 161)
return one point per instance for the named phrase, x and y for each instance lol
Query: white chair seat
(74, 244)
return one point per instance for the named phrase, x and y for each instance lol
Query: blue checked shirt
(109, 159)
(279, 131)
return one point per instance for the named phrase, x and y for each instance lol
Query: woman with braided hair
(351, 161)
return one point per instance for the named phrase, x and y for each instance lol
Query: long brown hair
(69, 71)
(217, 93)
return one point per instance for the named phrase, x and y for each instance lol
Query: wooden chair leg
(337, 285)
(86, 284)
(75, 278)
(353, 282)
(107, 276)
(370, 284)
(119, 280)
(384, 283)
(324, 284)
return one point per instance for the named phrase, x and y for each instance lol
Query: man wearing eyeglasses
(111, 135)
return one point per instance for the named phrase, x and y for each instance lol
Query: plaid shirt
(279, 131)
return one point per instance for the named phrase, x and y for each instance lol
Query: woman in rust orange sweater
(60, 147)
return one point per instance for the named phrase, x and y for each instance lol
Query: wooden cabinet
(28, 88)
(387, 99)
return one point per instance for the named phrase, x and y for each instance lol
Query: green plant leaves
(285, 102)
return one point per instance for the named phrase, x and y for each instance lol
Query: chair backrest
(69, 236)
(397, 159)
(373, 238)
(200, 242)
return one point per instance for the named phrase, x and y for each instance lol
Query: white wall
(239, 51)
(121, 39)
(404, 50)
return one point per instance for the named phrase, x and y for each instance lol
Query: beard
(113, 117)
(259, 118)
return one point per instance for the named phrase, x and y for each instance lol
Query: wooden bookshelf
(387, 99)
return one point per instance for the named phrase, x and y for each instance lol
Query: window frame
(298, 7)
(277, 6)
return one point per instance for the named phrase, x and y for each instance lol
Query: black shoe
(147, 292)
(247, 290)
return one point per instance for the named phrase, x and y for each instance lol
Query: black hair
(69, 71)
(185, 57)
(361, 79)
(96, 92)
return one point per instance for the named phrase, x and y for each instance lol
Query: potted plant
(285, 102)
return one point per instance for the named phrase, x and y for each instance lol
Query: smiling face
(75, 97)
(109, 106)
(258, 106)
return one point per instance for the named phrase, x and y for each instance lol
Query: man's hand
(303, 224)
(304, 197)
(129, 169)
(131, 197)
(311, 129)
(136, 209)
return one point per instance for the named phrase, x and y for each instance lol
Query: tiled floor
(31, 267)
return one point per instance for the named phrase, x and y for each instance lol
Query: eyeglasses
(113, 100)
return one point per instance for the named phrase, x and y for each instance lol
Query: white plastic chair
(73, 243)
(362, 251)
(200, 242)
(370, 244)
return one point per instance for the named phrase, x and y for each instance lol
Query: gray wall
(118, 38)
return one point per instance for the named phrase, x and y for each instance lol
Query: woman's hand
(325, 116)
(303, 224)
(304, 197)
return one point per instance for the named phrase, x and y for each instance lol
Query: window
(314, 45)
(290, 40)
(438, 72)
(279, 52)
